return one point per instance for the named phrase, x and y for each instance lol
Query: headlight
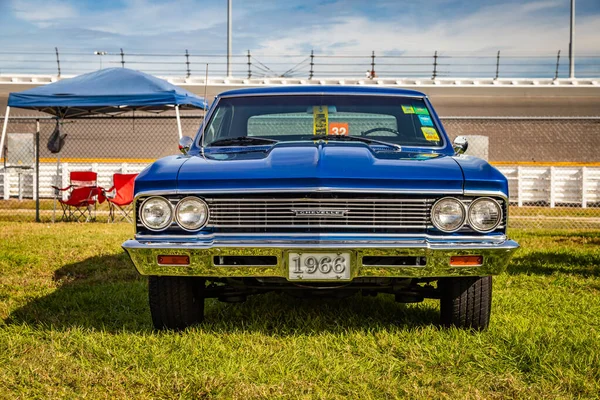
(156, 213)
(448, 214)
(485, 214)
(191, 213)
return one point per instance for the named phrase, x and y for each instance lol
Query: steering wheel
(380, 129)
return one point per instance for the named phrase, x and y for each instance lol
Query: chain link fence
(105, 145)
(552, 163)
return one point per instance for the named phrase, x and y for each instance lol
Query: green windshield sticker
(421, 110)
(408, 109)
(430, 134)
(320, 120)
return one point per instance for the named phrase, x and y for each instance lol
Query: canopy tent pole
(178, 121)
(4, 130)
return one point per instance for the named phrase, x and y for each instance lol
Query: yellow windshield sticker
(408, 109)
(320, 120)
(430, 134)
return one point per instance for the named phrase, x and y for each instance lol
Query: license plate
(319, 266)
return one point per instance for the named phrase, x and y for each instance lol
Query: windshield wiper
(242, 140)
(355, 139)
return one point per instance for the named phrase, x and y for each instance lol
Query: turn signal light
(466, 261)
(173, 260)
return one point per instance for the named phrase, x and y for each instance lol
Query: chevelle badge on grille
(320, 213)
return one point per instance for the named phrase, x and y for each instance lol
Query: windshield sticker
(408, 109)
(425, 120)
(320, 120)
(421, 110)
(430, 134)
(339, 128)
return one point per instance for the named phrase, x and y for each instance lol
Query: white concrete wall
(528, 185)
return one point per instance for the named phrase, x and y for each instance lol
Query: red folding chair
(123, 197)
(83, 192)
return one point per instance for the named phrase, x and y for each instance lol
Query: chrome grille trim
(357, 213)
(366, 217)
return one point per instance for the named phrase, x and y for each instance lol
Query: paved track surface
(537, 141)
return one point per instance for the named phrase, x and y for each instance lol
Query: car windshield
(264, 120)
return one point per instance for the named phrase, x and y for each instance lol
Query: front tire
(466, 302)
(175, 302)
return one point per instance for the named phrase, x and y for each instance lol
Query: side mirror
(185, 143)
(460, 144)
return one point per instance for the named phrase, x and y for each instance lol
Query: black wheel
(175, 302)
(466, 302)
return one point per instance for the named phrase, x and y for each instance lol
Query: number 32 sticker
(339, 128)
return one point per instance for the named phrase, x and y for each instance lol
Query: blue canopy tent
(111, 91)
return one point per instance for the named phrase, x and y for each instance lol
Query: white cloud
(511, 27)
(43, 12)
(144, 17)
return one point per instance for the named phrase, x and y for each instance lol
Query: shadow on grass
(551, 262)
(101, 292)
(106, 293)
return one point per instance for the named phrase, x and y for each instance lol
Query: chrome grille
(371, 213)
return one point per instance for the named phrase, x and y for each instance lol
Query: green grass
(75, 323)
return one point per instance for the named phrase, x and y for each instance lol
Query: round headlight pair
(449, 214)
(157, 213)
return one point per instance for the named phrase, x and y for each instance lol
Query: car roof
(321, 89)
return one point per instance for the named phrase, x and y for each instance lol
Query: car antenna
(205, 107)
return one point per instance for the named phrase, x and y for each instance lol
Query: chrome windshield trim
(199, 140)
(322, 93)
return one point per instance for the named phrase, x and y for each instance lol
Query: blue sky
(297, 26)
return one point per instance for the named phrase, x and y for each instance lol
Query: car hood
(333, 166)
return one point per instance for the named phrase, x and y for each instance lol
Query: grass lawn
(75, 322)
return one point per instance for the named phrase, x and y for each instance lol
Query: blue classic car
(321, 191)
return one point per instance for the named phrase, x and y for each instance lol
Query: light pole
(100, 53)
(228, 38)
(571, 44)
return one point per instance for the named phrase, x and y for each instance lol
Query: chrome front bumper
(496, 252)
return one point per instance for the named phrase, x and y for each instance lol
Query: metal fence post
(187, 64)
(312, 64)
(497, 64)
(57, 61)
(249, 65)
(557, 62)
(37, 170)
(435, 56)
(122, 59)
(520, 179)
(372, 64)
(584, 186)
(552, 187)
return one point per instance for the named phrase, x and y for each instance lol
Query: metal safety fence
(552, 163)
(310, 65)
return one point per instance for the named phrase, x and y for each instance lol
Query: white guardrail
(29, 79)
(550, 186)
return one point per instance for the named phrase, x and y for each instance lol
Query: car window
(213, 129)
(291, 123)
(401, 120)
